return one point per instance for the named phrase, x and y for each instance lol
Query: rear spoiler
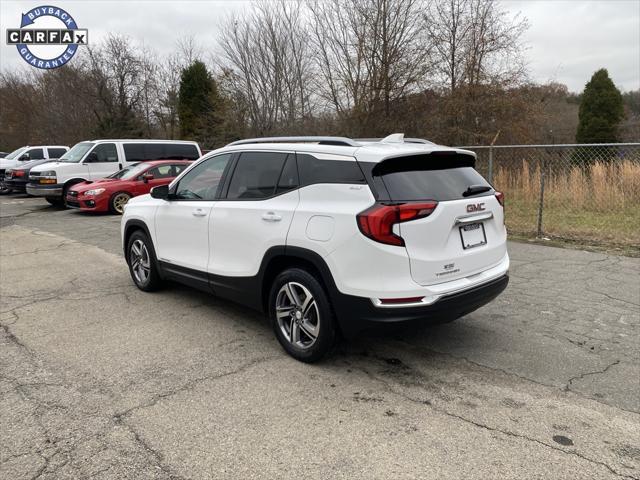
(436, 160)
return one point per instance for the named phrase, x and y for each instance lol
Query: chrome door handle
(199, 212)
(271, 217)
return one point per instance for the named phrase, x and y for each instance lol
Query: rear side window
(56, 152)
(256, 175)
(314, 170)
(289, 176)
(139, 152)
(427, 177)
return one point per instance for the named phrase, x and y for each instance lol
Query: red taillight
(500, 197)
(18, 173)
(377, 221)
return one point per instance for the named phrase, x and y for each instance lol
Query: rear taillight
(377, 221)
(500, 198)
(18, 173)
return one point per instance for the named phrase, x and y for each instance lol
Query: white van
(96, 159)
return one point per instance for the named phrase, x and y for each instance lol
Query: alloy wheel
(140, 261)
(119, 201)
(297, 315)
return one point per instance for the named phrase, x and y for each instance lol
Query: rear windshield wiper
(474, 189)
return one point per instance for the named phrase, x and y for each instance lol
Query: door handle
(271, 217)
(199, 212)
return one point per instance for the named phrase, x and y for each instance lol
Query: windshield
(129, 172)
(76, 153)
(15, 153)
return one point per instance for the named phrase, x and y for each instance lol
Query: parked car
(332, 236)
(111, 194)
(16, 178)
(26, 154)
(95, 159)
(3, 154)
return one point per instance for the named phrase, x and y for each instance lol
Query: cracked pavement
(100, 380)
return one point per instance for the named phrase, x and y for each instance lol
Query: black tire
(319, 317)
(114, 205)
(5, 190)
(152, 281)
(55, 201)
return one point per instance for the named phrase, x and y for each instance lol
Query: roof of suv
(369, 150)
(140, 140)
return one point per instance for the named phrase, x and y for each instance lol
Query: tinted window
(313, 170)
(202, 181)
(429, 177)
(56, 152)
(138, 152)
(134, 152)
(106, 152)
(35, 154)
(176, 151)
(289, 176)
(256, 175)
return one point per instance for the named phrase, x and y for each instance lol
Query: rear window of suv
(430, 177)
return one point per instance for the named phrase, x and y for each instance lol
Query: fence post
(491, 164)
(543, 162)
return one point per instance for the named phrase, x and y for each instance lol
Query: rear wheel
(143, 265)
(5, 190)
(118, 201)
(301, 315)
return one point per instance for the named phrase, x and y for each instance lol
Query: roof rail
(340, 141)
(406, 140)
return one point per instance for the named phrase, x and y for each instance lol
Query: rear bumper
(356, 314)
(44, 190)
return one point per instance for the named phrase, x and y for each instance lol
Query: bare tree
(266, 64)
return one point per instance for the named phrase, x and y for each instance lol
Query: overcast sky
(566, 42)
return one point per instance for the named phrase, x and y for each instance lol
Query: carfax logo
(52, 41)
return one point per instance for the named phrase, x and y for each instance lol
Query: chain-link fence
(589, 193)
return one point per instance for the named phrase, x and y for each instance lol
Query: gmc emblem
(475, 207)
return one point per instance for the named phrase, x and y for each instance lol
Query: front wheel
(143, 266)
(5, 190)
(118, 201)
(301, 315)
(55, 201)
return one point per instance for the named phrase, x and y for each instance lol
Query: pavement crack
(587, 374)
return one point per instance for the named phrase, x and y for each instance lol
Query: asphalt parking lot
(100, 380)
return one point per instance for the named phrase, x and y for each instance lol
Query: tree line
(452, 71)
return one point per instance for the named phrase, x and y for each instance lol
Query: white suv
(327, 235)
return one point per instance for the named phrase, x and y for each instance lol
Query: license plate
(472, 235)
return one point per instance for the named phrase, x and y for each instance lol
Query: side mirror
(161, 192)
(91, 158)
(146, 177)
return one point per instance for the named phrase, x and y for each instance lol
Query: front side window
(163, 171)
(202, 181)
(256, 175)
(105, 152)
(77, 152)
(35, 154)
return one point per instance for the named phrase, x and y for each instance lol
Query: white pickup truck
(96, 159)
(26, 154)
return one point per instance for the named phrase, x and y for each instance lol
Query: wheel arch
(130, 227)
(278, 259)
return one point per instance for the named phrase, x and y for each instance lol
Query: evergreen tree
(601, 110)
(197, 102)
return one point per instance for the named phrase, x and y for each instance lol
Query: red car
(112, 193)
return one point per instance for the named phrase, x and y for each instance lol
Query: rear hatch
(465, 234)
